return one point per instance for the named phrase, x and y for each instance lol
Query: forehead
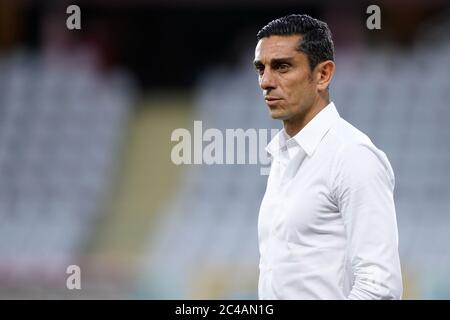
(277, 47)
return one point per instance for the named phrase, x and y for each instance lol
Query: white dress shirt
(327, 225)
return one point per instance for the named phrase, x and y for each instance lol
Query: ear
(324, 74)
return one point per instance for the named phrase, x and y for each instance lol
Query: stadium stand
(62, 125)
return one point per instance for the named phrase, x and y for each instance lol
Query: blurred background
(86, 118)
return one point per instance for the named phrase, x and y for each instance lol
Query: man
(327, 224)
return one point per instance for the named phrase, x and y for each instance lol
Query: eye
(259, 70)
(283, 67)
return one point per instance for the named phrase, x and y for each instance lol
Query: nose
(267, 81)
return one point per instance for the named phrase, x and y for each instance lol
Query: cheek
(295, 84)
(302, 90)
(296, 93)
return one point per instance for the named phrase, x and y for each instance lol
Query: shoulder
(356, 155)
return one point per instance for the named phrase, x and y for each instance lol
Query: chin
(277, 115)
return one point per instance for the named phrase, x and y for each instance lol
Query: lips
(272, 101)
(270, 98)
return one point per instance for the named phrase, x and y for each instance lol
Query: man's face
(284, 76)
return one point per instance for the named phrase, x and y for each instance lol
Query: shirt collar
(309, 137)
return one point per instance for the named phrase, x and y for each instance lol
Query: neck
(293, 125)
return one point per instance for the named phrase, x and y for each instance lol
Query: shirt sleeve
(364, 185)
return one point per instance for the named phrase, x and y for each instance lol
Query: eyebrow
(275, 61)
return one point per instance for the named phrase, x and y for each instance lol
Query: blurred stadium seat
(62, 125)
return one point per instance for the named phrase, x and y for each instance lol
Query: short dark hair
(317, 42)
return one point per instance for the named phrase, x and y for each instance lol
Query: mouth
(272, 101)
